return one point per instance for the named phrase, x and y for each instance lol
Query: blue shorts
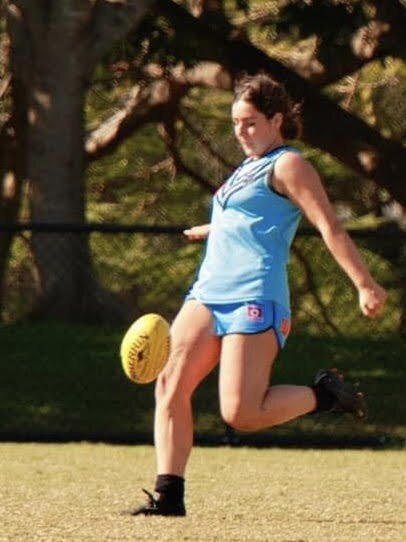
(249, 317)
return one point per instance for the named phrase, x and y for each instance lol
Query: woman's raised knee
(238, 418)
(242, 418)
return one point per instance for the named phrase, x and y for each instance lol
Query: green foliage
(152, 272)
(139, 182)
(156, 40)
(389, 97)
(243, 5)
(369, 96)
(332, 21)
(22, 284)
(324, 300)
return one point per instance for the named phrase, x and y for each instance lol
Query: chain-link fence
(145, 269)
(65, 381)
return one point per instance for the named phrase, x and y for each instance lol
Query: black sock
(324, 399)
(171, 486)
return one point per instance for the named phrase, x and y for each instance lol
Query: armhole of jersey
(269, 181)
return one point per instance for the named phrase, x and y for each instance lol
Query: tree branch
(143, 105)
(152, 103)
(200, 137)
(169, 136)
(5, 85)
(347, 137)
(111, 21)
(311, 288)
(382, 36)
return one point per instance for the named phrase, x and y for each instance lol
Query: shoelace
(152, 501)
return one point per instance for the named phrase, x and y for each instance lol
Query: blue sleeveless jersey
(251, 231)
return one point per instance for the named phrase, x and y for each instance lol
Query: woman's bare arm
(300, 182)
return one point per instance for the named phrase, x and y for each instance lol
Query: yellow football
(145, 348)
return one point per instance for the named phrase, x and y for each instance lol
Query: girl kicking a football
(237, 312)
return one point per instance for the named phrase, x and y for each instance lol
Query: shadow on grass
(65, 383)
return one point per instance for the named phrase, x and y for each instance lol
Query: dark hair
(270, 97)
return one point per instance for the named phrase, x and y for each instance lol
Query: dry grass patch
(76, 492)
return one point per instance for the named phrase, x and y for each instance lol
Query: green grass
(76, 492)
(66, 382)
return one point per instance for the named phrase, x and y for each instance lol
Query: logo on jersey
(255, 313)
(285, 327)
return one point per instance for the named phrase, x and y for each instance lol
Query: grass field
(65, 382)
(77, 492)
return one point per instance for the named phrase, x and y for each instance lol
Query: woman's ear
(277, 120)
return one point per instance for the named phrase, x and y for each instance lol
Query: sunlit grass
(77, 492)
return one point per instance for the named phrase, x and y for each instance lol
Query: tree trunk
(54, 47)
(10, 196)
(55, 169)
(12, 168)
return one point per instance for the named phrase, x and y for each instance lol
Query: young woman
(237, 312)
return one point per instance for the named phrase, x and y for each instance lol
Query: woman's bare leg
(247, 401)
(195, 351)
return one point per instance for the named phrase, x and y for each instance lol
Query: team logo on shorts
(255, 313)
(285, 327)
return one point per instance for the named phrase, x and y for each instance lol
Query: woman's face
(256, 133)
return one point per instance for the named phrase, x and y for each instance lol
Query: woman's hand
(372, 300)
(197, 233)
